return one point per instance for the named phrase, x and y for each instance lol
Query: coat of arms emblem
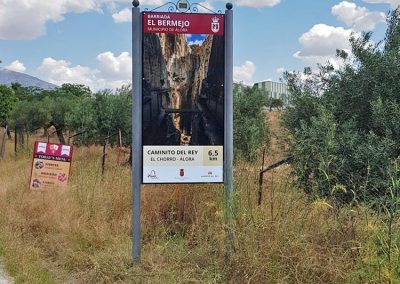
(215, 25)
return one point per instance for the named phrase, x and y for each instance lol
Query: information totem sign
(50, 165)
(183, 97)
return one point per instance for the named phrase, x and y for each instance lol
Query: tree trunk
(8, 133)
(3, 142)
(20, 134)
(60, 135)
(46, 130)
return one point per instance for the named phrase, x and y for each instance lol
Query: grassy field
(82, 234)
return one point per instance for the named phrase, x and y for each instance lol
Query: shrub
(250, 131)
(344, 123)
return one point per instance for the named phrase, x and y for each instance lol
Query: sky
(89, 41)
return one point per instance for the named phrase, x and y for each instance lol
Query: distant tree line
(71, 108)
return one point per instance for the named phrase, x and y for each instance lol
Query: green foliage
(29, 115)
(76, 90)
(103, 115)
(7, 102)
(113, 113)
(82, 119)
(250, 131)
(75, 109)
(26, 93)
(344, 123)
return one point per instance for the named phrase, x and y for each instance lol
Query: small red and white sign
(181, 23)
(50, 165)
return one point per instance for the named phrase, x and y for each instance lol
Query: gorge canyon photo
(183, 89)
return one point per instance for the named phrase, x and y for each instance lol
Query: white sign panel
(182, 164)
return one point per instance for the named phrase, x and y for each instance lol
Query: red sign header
(180, 23)
(54, 150)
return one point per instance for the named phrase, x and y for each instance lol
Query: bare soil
(4, 278)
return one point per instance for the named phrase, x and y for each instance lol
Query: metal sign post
(198, 159)
(228, 167)
(136, 127)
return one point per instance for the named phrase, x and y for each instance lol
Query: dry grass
(82, 234)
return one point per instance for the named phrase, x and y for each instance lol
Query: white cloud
(280, 70)
(348, 12)
(244, 73)
(123, 16)
(17, 66)
(27, 19)
(393, 3)
(369, 21)
(115, 67)
(112, 72)
(256, 3)
(61, 71)
(322, 40)
(207, 5)
(359, 18)
(196, 39)
(320, 43)
(152, 2)
(196, 42)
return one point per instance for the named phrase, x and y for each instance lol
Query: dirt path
(4, 278)
(278, 147)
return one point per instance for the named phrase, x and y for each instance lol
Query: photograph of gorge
(183, 89)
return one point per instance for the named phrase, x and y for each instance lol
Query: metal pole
(228, 162)
(136, 127)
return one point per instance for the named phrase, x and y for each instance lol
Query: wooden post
(271, 167)
(3, 146)
(103, 161)
(260, 180)
(15, 142)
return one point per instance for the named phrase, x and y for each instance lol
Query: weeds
(82, 234)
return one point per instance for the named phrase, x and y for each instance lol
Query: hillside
(7, 77)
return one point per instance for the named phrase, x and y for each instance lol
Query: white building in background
(275, 90)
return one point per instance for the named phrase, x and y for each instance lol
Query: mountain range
(7, 77)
